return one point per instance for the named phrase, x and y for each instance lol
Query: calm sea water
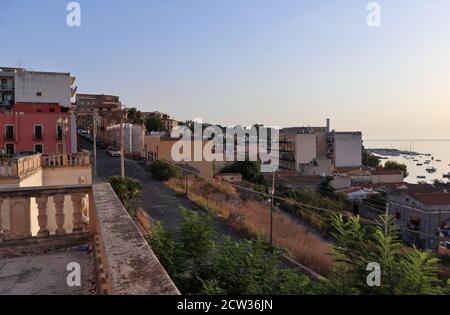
(439, 149)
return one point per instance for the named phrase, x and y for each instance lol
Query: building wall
(54, 87)
(347, 149)
(161, 148)
(386, 179)
(305, 148)
(24, 131)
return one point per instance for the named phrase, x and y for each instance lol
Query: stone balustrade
(125, 263)
(23, 166)
(43, 211)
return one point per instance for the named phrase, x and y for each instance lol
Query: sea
(439, 151)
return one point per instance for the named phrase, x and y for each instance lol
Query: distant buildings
(306, 149)
(168, 122)
(423, 216)
(109, 109)
(133, 136)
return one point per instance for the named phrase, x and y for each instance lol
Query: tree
(369, 159)
(154, 124)
(325, 188)
(135, 116)
(393, 165)
(162, 170)
(401, 272)
(127, 189)
(250, 170)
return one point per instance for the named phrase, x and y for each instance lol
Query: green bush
(127, 189)
(163, 171)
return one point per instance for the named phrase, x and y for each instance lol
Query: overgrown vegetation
(154, 124)
(250, 170)
(369, 159)
(127, 189)
(162, 170)
(402, 272)
(393, 165)
(199, 264)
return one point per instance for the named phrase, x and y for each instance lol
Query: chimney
(328, 124)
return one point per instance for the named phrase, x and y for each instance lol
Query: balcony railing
(20, 167)
(124, 262)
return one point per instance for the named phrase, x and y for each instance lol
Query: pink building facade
(34, 127)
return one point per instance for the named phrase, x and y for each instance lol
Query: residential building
(382, 176)
(34, 127)
(133, 136)
(169, 123)
(109, 109)
(159, 147)
(301, 146)
(345, 148)
(23, 86)
(48, 207)
(421, 216)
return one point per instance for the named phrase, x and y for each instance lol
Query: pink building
(34, 127)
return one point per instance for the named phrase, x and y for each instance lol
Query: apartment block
(168, 122)
(109, 109)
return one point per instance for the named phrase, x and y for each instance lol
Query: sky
(277, 62)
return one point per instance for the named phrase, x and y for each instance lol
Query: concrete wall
(386, 179)
(54, 87)
(305, 148)
(348, 149)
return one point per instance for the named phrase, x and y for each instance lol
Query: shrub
(162, 170)
(127, 189)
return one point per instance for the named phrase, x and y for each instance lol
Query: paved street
(157, 200)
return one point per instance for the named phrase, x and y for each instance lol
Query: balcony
(42, 229)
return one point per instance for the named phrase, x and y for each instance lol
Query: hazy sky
(283, 62)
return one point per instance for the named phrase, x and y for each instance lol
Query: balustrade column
(77, 216)
(59, 215)
(42, 216)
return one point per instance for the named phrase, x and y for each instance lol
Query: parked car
(114, 152)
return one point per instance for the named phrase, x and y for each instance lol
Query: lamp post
(63, 123)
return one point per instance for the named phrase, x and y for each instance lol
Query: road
(156, 199)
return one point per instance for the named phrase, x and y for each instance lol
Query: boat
(446, 175)
(419, 164)
(427, 162)
(431, 169)
(421, 177)
(438, 160)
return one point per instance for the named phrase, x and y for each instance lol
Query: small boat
(427, 162)
(419, 164)
(446, 175)
(431, 169)
(438, 160)
(416, 160)
(421, 177)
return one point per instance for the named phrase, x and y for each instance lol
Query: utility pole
(94, 121)
(186, 177)
(122, 151)
(63, 122)
(272, 192)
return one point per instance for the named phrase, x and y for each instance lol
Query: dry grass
(304, 246)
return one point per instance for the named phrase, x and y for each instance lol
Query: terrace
(45, 227)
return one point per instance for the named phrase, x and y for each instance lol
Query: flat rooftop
(46, 274)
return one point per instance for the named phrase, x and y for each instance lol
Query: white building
(43, 87)
(347, 149)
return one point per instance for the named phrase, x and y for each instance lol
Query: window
(39, 148)
(398, 215)
(10, 148)
(38, 93)
(58, 133)
(38, 132)
(9, 132)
